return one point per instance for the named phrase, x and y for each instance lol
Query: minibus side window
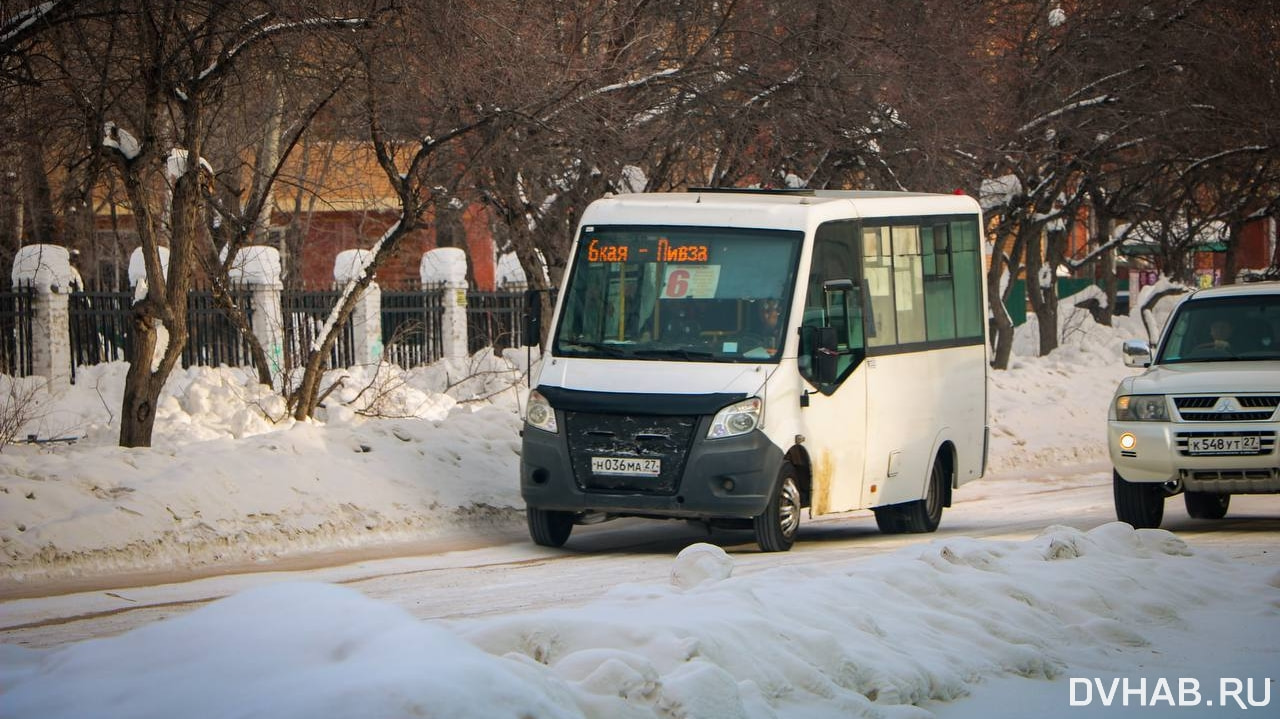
(835, 257)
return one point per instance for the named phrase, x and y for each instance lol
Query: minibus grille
(664, 438)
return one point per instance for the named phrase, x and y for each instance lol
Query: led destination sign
(663, 252)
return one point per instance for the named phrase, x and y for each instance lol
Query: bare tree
(151, 81)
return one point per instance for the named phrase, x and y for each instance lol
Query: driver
(1220, 336)
(762, 338)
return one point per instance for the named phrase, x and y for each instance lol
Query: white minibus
(735, 357)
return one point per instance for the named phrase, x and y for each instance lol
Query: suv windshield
(1226, 329)
(684, 293)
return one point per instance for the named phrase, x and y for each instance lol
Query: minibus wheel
(776, 528)
(549, 528)
(922, 515)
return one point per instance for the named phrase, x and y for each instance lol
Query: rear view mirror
(825, 355)
(532, 318)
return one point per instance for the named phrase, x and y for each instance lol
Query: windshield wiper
(678, 352)
(602, 347)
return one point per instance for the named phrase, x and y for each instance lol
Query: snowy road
(503, 573)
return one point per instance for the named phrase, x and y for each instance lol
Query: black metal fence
(99, 326)
(15, 331)
(213, 338)
(495, 319)
(305, 312)
(413, 326)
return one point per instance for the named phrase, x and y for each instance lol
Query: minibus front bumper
(723, 478)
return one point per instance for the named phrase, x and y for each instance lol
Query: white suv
(1203, 419)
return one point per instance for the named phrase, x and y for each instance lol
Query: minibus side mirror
(825, 355)
(532, 318)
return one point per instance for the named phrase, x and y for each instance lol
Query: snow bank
(231, 477)
(876, 637)
(393, 456)
(1052, 411)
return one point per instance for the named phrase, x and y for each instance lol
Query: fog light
(1128, 441)
(728, 485)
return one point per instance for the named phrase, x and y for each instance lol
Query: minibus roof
(768, 208)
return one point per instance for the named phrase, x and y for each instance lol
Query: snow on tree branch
(228, 56)
(1219, 155)
(614, 87)
(24, 20)
(790, 80)
(115, 137)
(1091, 102)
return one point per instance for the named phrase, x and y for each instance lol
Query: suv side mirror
(1137, 353)
(532, 318)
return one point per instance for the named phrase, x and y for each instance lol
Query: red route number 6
(677, 284)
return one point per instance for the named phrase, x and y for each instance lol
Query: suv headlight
(737, 419)
(1142, 408)
(540, 414)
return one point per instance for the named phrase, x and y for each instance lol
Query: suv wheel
(1206, 505)
(1141, 504)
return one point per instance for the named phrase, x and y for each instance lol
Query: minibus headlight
(1142, 408)
(539, 413)
(737, 419)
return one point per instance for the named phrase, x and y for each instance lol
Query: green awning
(1140, 250)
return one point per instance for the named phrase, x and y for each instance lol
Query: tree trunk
(141, 390)
(1001, 325)
(1231, 264)
(1107, 269)
(41, 226)
(1041, 292)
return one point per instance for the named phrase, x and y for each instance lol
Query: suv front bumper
(1160, 452)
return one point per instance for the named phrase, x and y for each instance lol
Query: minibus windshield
(679, 293)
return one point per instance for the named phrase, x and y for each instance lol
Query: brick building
(330, 197)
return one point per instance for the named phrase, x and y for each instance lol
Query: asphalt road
(503, 572)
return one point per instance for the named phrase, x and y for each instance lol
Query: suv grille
(666, 438)
(1227, 408)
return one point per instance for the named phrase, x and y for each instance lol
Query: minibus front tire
(776, 528)
(548, 527)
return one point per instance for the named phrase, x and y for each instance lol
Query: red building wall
(325, 234)
(1256, 250)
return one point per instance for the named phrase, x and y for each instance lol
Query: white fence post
(48, 268)
(366, 317)
(258, 268)
(447, 266)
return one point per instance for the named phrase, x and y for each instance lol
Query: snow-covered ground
(946, 627)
